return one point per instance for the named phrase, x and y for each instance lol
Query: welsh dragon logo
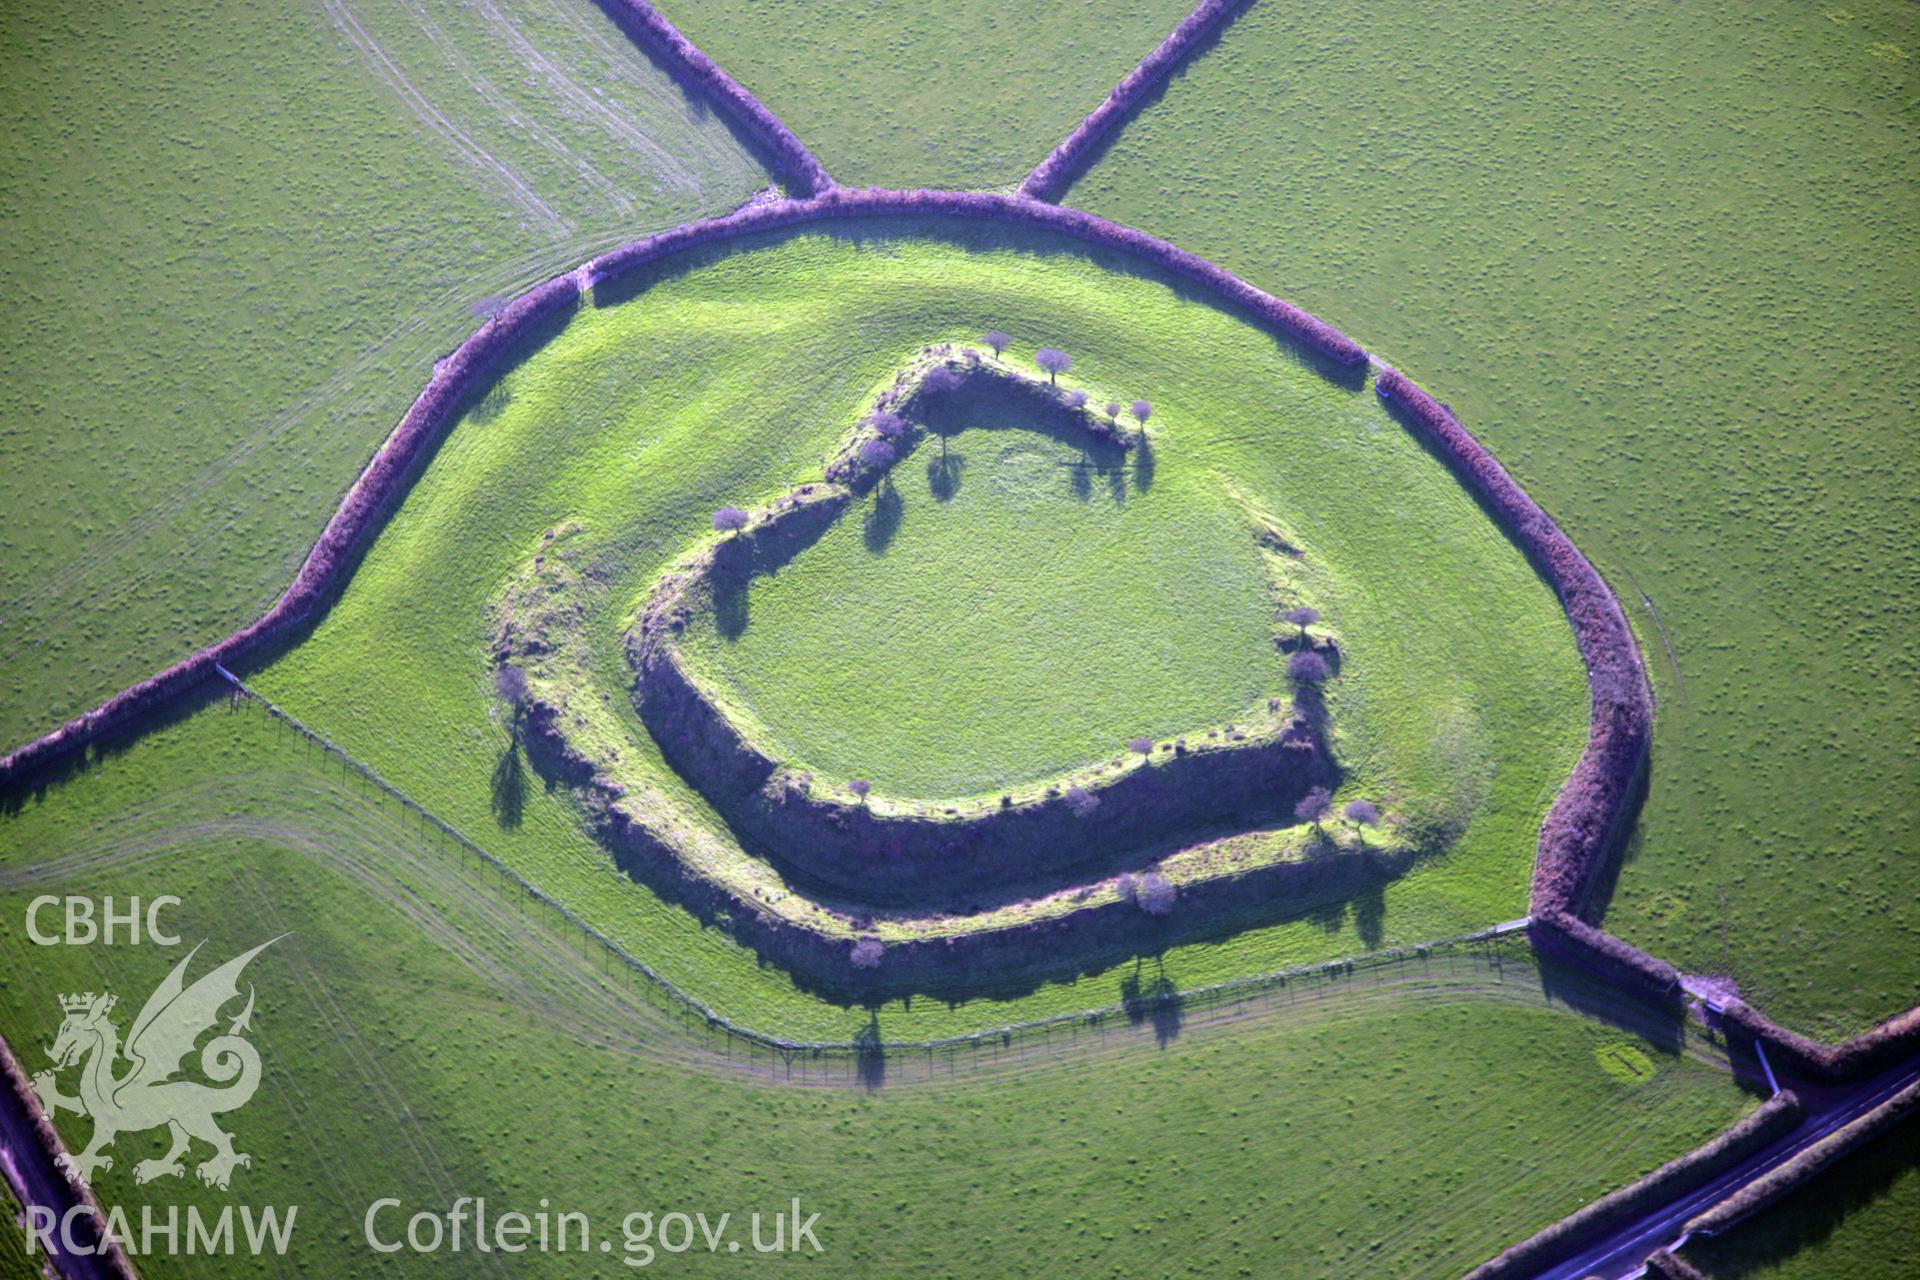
(148, 1094)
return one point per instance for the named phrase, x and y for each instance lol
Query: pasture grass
(959, 96)
(1663, 260)
(237, 239)
(1008, 608)
(727, 379)
(425, 1036)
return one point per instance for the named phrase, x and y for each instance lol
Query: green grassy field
(417, 1012)
(1004, 612)
(958, 96)
(220, 300)
(1856, 1220)
(1663, 261)
(729, 379)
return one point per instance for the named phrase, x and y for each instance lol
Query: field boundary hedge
(699, 74)
(386, 478)
(1806, 1165)
(1217, 994)
(1581, 827)
(1584, 818)
(1053, 175)
(1678, 1176)
(108, 1258)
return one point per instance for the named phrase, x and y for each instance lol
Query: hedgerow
(1051, 177)
(1808, 1164)
(699, 74)
(1575, 837)
(1675, 1178)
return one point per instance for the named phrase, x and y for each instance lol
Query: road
(28, 1169)
(1622, 1254)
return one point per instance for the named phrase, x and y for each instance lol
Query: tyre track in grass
(383, 65)
(662, 91)
(366, 1061)
(565, 987)
(661, 163)
(501, 108)
(71, 579)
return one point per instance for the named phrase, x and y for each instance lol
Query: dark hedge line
(327, 566)
(1318, 337)
(699, 74)
(1768, 1121)
(367, 501)
(935, 856)
(1807, 1165)
(34, 1151)
(1567, 934)
(1003, 958)
(1866, 1053)
(1664, 1266)
(1578, 830)
(1051, 177)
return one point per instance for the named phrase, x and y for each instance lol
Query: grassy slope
(1662, 260)
(1406, 1121)
(219, 301)
(1027, 624)
(1856, 1221)
(729, 383)
(959, 96)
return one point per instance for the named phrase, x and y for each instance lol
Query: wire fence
(1146, 999)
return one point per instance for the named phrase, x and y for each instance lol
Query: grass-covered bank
(1007, 608)
(1662, 262)
(237, 240)
(727, 378)
(416, 1011)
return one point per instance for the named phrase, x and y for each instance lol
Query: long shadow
(1156, 999)
(700, 104)
(1143, 464)
(510, 785)
(1661, 1020)
(986, 403)
(1210, 913)
(1096, 151)
(1806, 1217)
(982, 235)
(32, 788)
(882, 520)
(1623, 845)
(870, 1053)
(944, 473)
(739, 559)
(1623, 839)
(271, 648)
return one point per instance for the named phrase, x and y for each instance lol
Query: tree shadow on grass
(1143, 465)
(944, 473)
(883, 518)
(870, 1053)
(1154, 999)
(510, 785)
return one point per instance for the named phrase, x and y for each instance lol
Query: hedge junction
(1592, 811)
